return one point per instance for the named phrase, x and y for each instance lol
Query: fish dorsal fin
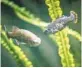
(14, 28)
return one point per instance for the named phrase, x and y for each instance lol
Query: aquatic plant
(14, 50)
(24, 14)
(61, 37)
(74, 34)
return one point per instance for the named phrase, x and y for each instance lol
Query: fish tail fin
(5, 29)
(75, 16)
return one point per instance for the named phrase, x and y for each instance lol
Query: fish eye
(46, 31)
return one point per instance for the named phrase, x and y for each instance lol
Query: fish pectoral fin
(22, 43)
(17, 42)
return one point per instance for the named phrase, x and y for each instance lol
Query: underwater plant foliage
(59, 51)
(14, 50)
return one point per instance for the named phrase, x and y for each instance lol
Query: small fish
(25, 36)
(60, 23)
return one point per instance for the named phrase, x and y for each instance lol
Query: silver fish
(25, 36)
(60, 23)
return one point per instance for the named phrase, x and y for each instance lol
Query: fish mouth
(37, 41)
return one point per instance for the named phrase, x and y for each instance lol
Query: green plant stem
(15, 51)
(61, 36)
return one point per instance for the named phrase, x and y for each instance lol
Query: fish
(25, 36)
(60, 23)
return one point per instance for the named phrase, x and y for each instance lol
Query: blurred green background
(46, 55)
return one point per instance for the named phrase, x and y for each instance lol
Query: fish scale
(60, 23)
